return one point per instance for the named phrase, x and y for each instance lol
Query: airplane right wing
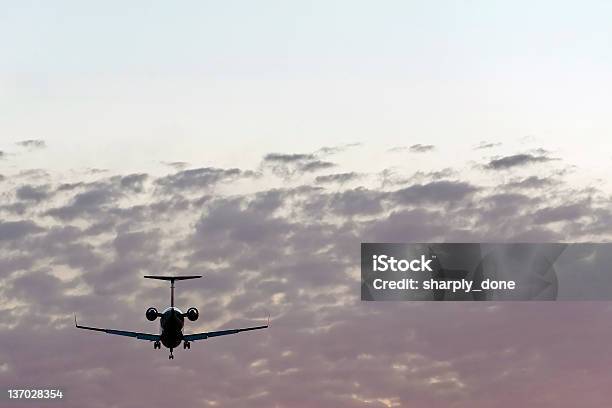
(202, 336)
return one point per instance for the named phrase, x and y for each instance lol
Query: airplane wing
(202, 336)
(139, 336)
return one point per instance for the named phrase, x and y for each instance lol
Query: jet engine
(192, 314)
(152, 314)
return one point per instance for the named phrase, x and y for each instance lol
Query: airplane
(171, 323)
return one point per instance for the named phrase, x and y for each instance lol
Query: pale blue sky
(460, 39)
(127, 84)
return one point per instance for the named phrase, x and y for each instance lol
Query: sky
(125, 86)
(259, 143)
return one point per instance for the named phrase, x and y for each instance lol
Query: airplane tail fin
(172, 279)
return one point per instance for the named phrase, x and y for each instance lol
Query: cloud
(71, 186)
(516, 160)
(415, 148)
(329, 150)
(33, 174)
(95, 170)
(136, 243)
(531, 182)
(134, 182)
(421, 148)
(32, 193)
(357, 201)
(435, 192)
(431, 175)
(292, 252)
(339, 178)
(567, 212)
(316, 165)
(289, 165)
(99, 196)
(288, 158)
(16, 230)
(177, 165)
(486, 145)
(32, 144)
(199, 179)
(407, 226)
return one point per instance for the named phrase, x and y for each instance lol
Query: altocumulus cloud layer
(291, 249)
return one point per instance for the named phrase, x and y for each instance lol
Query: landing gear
(186, 345)
(171, 356)
(156, 345)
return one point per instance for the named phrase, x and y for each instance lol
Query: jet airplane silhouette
(171, 323)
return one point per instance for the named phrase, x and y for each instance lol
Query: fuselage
(171, 327)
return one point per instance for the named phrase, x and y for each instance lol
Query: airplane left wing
(139, 336)
(202, 336)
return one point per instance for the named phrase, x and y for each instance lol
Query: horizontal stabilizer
(173, 278)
